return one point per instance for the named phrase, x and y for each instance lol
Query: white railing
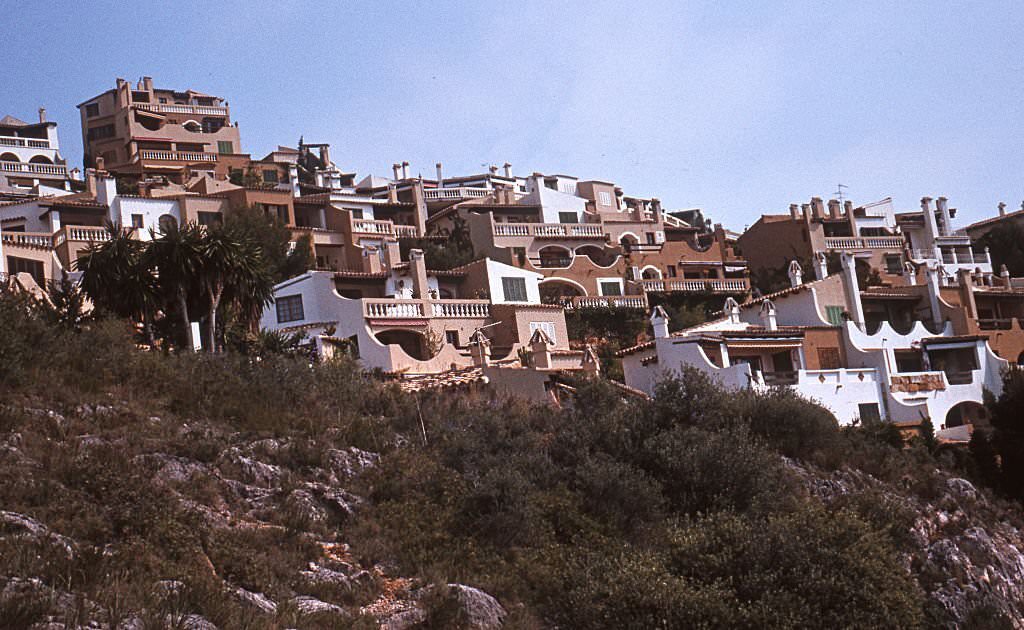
(459, 308)
(696, 286)
(605, 301)
(11, 141)
(33, 168)
(177, 156)
(462, 192)
(197, 110)
(406, 231)
(393, 309)
(28, 239)
(556, 230)
(372, 226)
(89, 234)
(864, 242)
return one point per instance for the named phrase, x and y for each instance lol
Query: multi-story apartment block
(900, 354)
(144, 132)
(30, 157)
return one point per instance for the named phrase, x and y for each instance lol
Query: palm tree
(176, 255)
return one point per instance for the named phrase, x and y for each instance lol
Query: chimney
(656, 207)
(848, 208)
(930, 228)
(440, 178)
(1002, 209)
(395, 168)
(820, 266)
(851, 288)
(732, 310)
(42, 114)
(101, 164)
(481, 349)
(947, 221)
(540, 350)
(508, 170)
(768, 315)
(910, 273)
(591, 363)
(796, 274)
(418, 269)
(405, 170)
(325, 155)
(421, 207)
(392, 193)
(493, 169)
(1004, 275)
(90, 181)
(794, 211)
(392, 254)
(659, 322)
(819, 207)
(147, 84)
(371, 260)
(833, 208)
(805, 209)
(966, 288)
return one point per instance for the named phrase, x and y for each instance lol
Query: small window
(209, 218)
(24, 265)
(452, 337)
(828, 358)
(834, 315)
(225, 147)
(137, 221)
(604, 198)
(514, 289)
(547, 327)
(270, 176)
(92, 109)
(610, 287)
(568, 217)
(289, 309)
(869, 413)
(893, 263)
(670, 271)
(162, 100)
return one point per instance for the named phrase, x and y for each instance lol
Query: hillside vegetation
(149, 490)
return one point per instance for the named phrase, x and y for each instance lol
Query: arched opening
(598, 255)
(8, 157)
(628, 241)
(40, 159)
(650, 272)
(167, 223)
(193, 126)
(967, 412)
(555, 256)
(553, 291)
(410, 341)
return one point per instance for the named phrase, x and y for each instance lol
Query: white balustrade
(867, 242)
(197, 110)
(549, 230)
(33, 168)
(446, 308)
(28, 239)
(11, 141)
(511, 229)
(393, 309)
(371, 226)
(405, 231)
(177, 156)
(696, 286)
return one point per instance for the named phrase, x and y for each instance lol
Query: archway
(555, 256)
(410, 341)
(628, 241)
(40, 159)
(167, 222)
(8, 157)
(554, 290)
(597, 255)
(650, 272)
(967, 412)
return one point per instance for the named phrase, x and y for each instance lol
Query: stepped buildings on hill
(877, 313)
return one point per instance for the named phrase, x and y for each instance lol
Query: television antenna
(839, 192)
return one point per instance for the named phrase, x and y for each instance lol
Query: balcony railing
(33, 168)
(605, 301)
(177, 156)
(37, 240)
(549, 230)
(372, 226)
(386, 308)
(193, 110)
(864, 242)
(995, 324)
(776, 379)
(31, 143)
(696, 286)
(462, 192)
(405, 231)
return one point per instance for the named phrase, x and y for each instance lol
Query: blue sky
(736, 107)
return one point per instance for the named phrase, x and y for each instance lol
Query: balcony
(864, 242)
(710, 285)
(780, 379)
(319, 236)
(405, 231)
(30, 143)
(605, 301)
(30, 168)
(550, 230)
(34, 240)
(454, 194)
(372, 226)
(177, 156)
(191, 110)
(386, 308)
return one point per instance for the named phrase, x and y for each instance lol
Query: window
(99, 133)
(651, 238)
(604, 198)
(451, 337)
(137, 221)
(828, 359)
(92, 109)
(670, 271)
(289, 309)
(869, 413)
(547, 327)
(610, 287)
(270, 176)
(568, 217)
(514, 289)
(209, 218)
(893, 263)
(162, 100)
(834, 315)
(24, 265)
(225, 147)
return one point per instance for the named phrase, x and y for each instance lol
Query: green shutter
(834, 315)
(225, 147)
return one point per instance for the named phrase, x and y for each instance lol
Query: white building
(30, 156)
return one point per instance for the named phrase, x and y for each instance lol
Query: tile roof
(989, 220)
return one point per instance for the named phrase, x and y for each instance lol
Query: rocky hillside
(147, 491)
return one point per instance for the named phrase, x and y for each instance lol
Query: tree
(64, 304)
(1008, 434)
(176, 256)
(1006, 246)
